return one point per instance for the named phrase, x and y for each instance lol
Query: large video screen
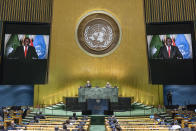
(170, 48)
(26, 46)
(1, 28)
(25, 51)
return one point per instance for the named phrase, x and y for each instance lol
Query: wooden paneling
(169, 10)
(26, 10)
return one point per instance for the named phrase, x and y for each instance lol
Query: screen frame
(164, 28)
(30, 28)
(162, 36)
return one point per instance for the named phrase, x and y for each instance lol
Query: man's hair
(67, 121)
(27, 38)
(168, 38)
(64, 126)
(114, 121)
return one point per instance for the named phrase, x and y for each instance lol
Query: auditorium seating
(52, 122)
(12, 115)
(136, 123)
(184, 117)
(13, 119)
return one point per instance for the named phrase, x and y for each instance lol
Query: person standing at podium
(169, 98)
(88, 84)
(108, 85)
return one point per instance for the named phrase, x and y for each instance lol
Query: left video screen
(26, 47)
(25, 51)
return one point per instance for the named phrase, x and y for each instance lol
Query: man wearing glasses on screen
(168, 51)
(25, 51)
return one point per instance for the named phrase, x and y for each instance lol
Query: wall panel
(169, 10)
(126, 67)
(23, 11)
(26, 10)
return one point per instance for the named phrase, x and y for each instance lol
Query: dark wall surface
(11, 95)
(181, 94)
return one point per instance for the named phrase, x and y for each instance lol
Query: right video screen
(36, 46)
(170, 48)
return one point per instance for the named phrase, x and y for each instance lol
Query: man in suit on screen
(25, 51)
(168, 51)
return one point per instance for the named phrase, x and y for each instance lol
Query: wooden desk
(17, 119)
(7, 122)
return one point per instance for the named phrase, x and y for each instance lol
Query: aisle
(97, 128)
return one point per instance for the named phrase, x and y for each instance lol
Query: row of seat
(134, 123)
(57, 122)
(184, 117)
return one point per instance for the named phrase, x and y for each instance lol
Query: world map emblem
(98, 34)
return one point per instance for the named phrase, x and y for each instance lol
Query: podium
(98, 93)
(97, 99)
(97, 106)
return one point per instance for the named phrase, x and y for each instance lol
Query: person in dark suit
(88, 84)
(2, 113)
(74, 117)
(56, 128)
(25, 51)
(12, 126)
(168, 51)
(25, 112)
(108, 85)
(41, 116)
(169, 98)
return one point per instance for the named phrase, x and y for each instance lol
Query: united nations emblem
(98, 33)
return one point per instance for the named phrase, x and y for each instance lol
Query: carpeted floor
(97, 128)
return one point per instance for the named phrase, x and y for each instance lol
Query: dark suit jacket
(174, 53)
(88, 86)
(169, 97)
(31, 53)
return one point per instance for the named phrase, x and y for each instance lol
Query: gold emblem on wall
(98, 33)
